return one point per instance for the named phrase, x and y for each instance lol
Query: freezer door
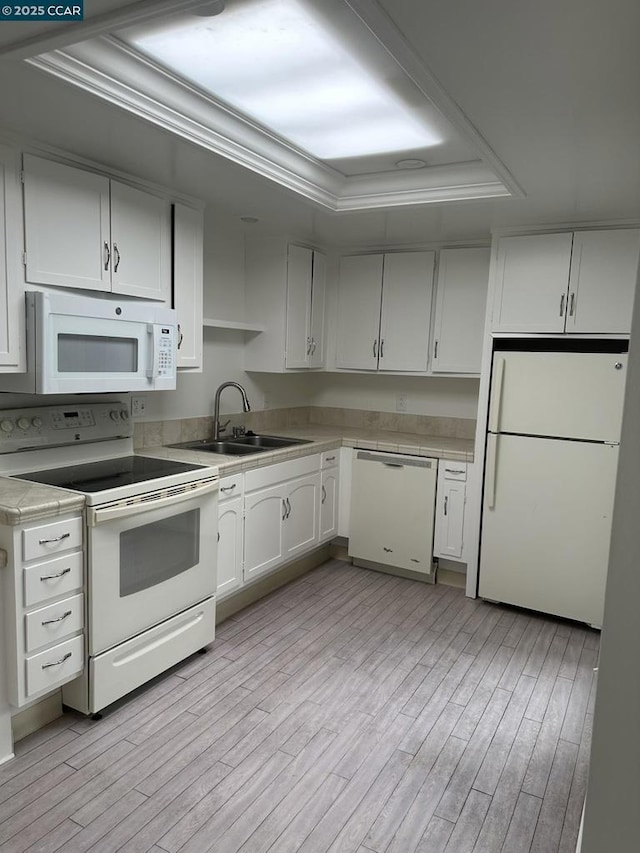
(546, 524)
(568, 394)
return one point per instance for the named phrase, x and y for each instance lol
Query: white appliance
(550, 472)
(392, 511)
(150, 539)
(87, 344)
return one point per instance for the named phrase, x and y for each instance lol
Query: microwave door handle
(152, 370)
(122, 509)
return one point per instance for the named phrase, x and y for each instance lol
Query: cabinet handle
(324, 494)
(59, 619)
(53, 577)
(55, 539)
(284, 509)
(382, 348)
(107, 255)
(388, 550)
(435, 350)
(308, 346)
(572, 304)
(375, 349)
(562, 305)
(313, 346)
(180, 336)
(454, 470)
(330, 459)
(57, 662)
(116, 253)
(288, 507)
(446, 501)
(228, 488)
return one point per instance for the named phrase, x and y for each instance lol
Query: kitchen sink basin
(240, 446)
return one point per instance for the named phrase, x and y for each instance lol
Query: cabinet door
(299, 267)
(463, 279)
(329, 504)
(532, 279)
(449, 519)
(230, 545)
(67, 235)
(407, 287)
(12, 328)
(188, 284)
(604, 270)
(359, 298)
(318, 286)
(301, 522)
(264, 514)
(141, 243)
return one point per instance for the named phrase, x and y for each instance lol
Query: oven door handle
(126, 509)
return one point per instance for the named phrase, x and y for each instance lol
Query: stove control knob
(6, 425)
(37, 422)
(124, 414)
(114, 415)
(24, 423)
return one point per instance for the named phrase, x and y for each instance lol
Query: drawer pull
(330, 459)
(57, 662)
(228, 488)
(388, 550)
(59, 619)
(58, 575)
(454, 470)
(55, 539)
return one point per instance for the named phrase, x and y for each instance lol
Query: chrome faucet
(217, 428)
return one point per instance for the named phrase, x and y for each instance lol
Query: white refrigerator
(550, 472)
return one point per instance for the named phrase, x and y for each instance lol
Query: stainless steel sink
(242, 445)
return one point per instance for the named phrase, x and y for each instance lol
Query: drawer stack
(44, 609)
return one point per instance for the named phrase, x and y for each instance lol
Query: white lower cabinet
(329, 490)
(280, 513)
(43, 601)
(450, 504)
(230, 535)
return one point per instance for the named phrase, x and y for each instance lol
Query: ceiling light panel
(284, 66)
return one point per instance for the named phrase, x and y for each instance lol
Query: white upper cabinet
(86, 231)
(580, 283)
(12, 343)
(604, 268)
(461, 298)
(285, 293)
(188, 275)
(532, 277)
(141, 243)
(384, 312)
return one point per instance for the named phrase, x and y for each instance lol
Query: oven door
(149, 558)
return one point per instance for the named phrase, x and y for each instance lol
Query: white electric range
(150, 540)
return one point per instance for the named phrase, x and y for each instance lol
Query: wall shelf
(241, 326)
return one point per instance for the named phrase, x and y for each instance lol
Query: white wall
(612, 816)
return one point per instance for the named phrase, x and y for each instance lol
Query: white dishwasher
(392, 511)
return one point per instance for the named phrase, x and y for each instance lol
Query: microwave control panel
(50, 426)
(166, 352)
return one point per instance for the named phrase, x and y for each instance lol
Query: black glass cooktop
(109, 473)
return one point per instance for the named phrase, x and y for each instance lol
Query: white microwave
(87, 344)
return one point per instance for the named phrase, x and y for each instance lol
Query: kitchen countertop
(326, 438)
(22, 502)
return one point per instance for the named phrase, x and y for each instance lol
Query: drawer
(230, 487)
(53, 578)
(330, 458)
(48, 539)
(454, 470)
(54, 623)
(53, 667)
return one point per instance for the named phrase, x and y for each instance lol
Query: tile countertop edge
(437, 447)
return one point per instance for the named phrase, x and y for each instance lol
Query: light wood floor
(349, 711)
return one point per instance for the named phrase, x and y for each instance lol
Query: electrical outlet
(137, 406)
(401, 402)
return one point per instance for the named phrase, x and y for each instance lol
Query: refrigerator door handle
(495, 403)
(492, 463)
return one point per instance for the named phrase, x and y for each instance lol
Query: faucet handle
(238, 431)
(222, 427)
